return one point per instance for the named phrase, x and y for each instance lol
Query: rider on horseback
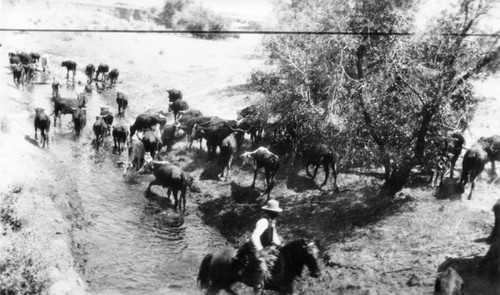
(260, 245)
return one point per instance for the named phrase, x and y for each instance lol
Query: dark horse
(222, 269)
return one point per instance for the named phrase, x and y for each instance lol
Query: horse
(221, 269)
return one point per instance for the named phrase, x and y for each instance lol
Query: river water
(129, 247)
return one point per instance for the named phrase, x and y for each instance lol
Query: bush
(171, 8)
(21, 270)
(198, 18)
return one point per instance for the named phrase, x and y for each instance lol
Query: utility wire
(244, 32)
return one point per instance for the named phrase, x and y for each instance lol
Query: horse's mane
(292, 252)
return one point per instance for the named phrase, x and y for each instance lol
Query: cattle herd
(228, 135)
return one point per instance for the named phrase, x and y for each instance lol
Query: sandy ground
(396, 251)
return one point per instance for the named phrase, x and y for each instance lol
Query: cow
(174, 94)
(320, 154)
(14, 59)
(213, 134)
(70, 66)
(44, 60)
(29, 72)
(122, 101)
(152, 143)
(55, 88)
(168, 135)
(113, 77)
(440, 165)
(453, 148)
(89, 72)
(17, 73)
(254, 127)
(120, 135)
(492, 147)
(449, 282)
(136, 155)
(263, 158)
(188, 122)
(177, 106)
(79, 120)
(100, 130)
(42, 122)
(493, 237)
(107, 116)
(227, 150)
(472, 165)
(25, 58)
(67, 106)
(171, 177)
(145, 121)
(190, 113)
(35, 57)
(101, 69)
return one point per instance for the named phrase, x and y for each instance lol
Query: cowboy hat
(272, 205)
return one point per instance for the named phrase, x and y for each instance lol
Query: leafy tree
(170, 8)
(373, 94)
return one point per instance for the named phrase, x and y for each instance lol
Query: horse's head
(311, 254)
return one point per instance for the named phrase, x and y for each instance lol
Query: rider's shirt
(265, 234)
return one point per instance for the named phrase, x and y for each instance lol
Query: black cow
(171, 177)
(113, 77)
(108, 117)
(168, 135)
(227, 150)
(254, 127)
(136, 155)
(214, 135)
(100, 130)
(152, 144)
(122, 101)
(42, 122)
(14, 59)
(101, 69)
(120, 135)
(67, 106)
(25, 58)
(35, 57)
(145, 121)
(320, 154)
(17, 73)
(188, 122)
(70, 66)
(29, 72)
(79, 120)
(177, 106)
(263, 158)
(472, 165)
(174, 94)
(453, 148)
(89, 72)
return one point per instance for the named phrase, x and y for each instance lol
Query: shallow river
(130, 250)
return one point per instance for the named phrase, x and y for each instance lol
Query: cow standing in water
(42, 122)
(70, 67)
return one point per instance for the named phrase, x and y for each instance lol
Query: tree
(374, 94)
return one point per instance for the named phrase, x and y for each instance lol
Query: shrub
(171, 8)
(198, 18)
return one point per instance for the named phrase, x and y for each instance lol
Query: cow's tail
(203, 274)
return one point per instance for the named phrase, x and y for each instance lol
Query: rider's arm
(258, 231)
(276, 237)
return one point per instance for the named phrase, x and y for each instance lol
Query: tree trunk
(396, 181)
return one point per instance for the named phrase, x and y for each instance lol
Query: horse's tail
(203, 274)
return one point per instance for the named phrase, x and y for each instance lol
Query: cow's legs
(307, 170)
(183, 200)
(176, 200)
(254, 177)
(315, 172)
(334, 175)
(493, 170)
(473, 184)
(36, 136)
(326, 167)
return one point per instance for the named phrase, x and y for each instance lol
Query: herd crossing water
(127, 241)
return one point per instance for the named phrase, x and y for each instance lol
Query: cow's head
(39, 110)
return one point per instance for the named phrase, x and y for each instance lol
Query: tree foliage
(371, 93)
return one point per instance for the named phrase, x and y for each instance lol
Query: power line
(243, 32)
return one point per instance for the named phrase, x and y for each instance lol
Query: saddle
(249, 266)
